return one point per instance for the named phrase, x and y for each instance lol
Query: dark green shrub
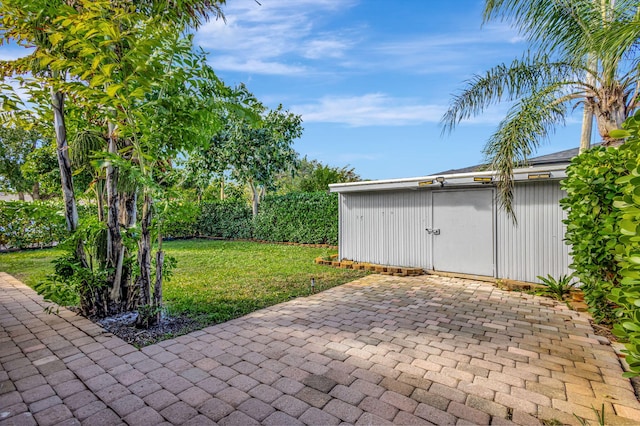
(627, 295)
(31, 224)
(225, 219)
(593, 224)
(180, 219)
(310, 218)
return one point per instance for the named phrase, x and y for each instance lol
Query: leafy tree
(256, 148)
(313, 176)
(16, 144)
(129, 64)
(544, 88)
(41, 168)
(30, 23)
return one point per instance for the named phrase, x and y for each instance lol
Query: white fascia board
(556, 172)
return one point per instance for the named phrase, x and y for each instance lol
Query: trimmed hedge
(31, 224)
(225, 219)
(310, 218)
(180, 220)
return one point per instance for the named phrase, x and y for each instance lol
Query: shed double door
(463, 231)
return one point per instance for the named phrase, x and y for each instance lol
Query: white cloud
(290, 37)
(378, 109)
(446, 52)
(331, 48)
(255, 65)
(374, 109)
(273, 37)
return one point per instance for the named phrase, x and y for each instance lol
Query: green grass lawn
(29, 266)
(217, 280)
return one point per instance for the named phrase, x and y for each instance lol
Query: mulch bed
(124, 326)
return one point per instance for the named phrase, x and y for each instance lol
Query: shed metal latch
(433, 231)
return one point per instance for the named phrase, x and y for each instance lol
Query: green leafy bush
(310, 218)
(31, 224)
(225, 219)
(180, 219)
(627, 295)
(593, 224)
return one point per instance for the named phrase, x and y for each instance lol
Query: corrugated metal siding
(535, 245)
(386, 227)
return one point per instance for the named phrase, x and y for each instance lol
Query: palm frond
(510, 82)
(528, 123)
(565, 27)
(84, 145)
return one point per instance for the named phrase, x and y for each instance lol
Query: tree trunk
(255, 199)
(21, 196)
(115, 250)
(587, 115)
(222, 187)
(128, 217)
(128, 209)
(144, 253)
(35, 194)
(100, 199)
(587, 126)
(66, 177)
(64, 163)
(610, 112)
(157, 291)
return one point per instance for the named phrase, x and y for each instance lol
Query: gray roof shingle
(560, 157)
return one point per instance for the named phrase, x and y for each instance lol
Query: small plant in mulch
(556, 288)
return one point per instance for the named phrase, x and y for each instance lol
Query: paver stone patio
(380, 350)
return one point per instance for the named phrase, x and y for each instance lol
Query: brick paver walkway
(379, 350)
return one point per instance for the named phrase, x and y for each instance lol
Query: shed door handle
(433, 231)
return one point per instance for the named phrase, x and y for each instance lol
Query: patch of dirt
(603, 330)
(124, 326)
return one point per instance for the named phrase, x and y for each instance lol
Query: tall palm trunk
(610, 112)
(587, 116)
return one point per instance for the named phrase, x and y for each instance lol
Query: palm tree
(577, 69)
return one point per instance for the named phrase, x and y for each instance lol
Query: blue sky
(371, 78)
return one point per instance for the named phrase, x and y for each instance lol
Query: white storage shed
(451, 222)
